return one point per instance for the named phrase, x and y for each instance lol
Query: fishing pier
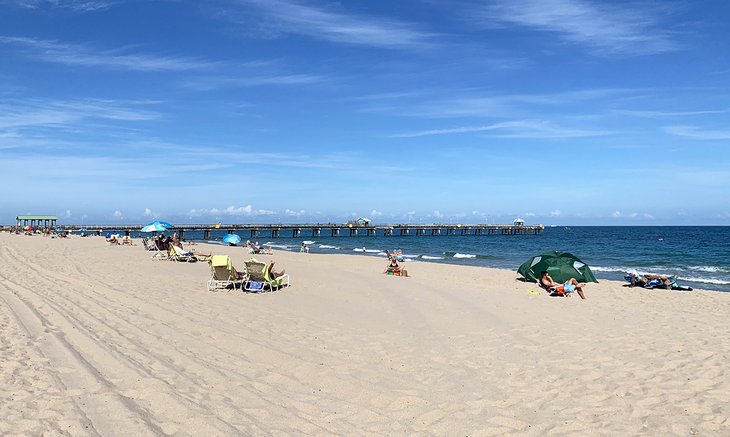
(330, 229)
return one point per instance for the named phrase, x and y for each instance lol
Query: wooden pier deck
(331, 229)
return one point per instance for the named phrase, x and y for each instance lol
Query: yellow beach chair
(259, 277)
(223, 274)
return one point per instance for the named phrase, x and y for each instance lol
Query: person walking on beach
(570, 286)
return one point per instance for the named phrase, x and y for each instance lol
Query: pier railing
(332, 229)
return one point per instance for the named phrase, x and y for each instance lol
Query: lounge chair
(552, 291)
(157, 254)
(259, 278)
(223, 275)
(177, 254)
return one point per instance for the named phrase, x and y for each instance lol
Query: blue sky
(237, 111)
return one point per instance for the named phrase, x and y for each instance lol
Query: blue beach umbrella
(156, 226)
(231, 239)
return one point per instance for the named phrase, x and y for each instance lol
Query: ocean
(700, 255)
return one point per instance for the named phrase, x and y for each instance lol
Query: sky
(574, 112)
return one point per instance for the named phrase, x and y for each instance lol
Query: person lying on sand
(570, 286)
(644, 280)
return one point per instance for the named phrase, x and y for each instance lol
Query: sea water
(700, 255)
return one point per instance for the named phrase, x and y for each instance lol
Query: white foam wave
(410, 256)
(358, 250)
(709, 269)
(713, 281)
(308, 242)
(609, 269)
(432, 257)
(464, 255)
(278, 246)
(327, 246)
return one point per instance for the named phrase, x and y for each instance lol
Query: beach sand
(101, 340)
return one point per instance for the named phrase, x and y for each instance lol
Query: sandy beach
(102, 340)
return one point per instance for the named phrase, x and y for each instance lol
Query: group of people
(649, 280)
(114, 240)
(256, 248)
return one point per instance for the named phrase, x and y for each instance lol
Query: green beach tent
(561, 266)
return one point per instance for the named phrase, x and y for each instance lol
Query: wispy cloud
(58, 113)
(469, 103)
(697, 133)
(208, 83)
(74, 5)
(121, 58)
(605, 27)
(512, 129)
(667, 114)
(333, 24)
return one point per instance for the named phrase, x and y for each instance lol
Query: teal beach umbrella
(560, 265)
(156, 226)
(232, 239)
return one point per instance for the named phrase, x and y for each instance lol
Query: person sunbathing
(570, 286)
(198, 255)
(394, 268)
(648, 279)
(274, 274)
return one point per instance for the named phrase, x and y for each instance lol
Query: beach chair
(552, 291)
(223, 274)
(157, 254)
(177, 254)
(259, 278)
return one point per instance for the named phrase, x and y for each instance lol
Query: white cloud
(555, 213)
(604, 26)
(514, 129)
(80, 55)
(334, 25)
(437, 214)
(216, 82)
(67, 214)
(529, 214)
(118, 214)
(616, 214)
(17, 114)
(697, 133)
(230, 211)
(74, 5)
(149, 213)
(293, 213)
(375, 213)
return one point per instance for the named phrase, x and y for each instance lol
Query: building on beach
(42, 221)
